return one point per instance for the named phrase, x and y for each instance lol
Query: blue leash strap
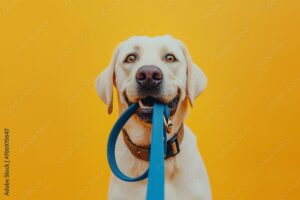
(156, 175)
(156, 180)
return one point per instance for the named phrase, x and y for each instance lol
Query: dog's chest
(132, 191)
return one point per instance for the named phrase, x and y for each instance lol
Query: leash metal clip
(168, 125)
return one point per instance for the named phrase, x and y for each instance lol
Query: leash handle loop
(112, 146)
(158, 150)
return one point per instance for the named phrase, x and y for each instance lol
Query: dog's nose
(149, 76)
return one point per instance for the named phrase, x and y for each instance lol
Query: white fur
(185, 174)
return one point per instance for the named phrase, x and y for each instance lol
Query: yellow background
(247, 120)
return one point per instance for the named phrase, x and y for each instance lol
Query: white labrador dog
(148, 69)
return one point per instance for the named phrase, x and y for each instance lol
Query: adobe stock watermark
(6, 162)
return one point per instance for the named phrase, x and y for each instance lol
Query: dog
(145, 70)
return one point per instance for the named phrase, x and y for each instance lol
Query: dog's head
(151, 69)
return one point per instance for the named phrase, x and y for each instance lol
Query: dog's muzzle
(149, 79)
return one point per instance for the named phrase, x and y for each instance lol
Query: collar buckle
(172, 147)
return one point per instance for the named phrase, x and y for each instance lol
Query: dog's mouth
(145, 110)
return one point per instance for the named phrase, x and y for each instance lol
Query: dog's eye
(170, 58)
(130, 58)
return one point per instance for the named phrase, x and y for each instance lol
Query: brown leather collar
(143, 152)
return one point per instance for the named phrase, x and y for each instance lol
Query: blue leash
(156, 171)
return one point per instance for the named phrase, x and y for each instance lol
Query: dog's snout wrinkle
(149, 77)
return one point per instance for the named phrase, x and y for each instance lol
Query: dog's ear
(196, 79)
(105, 82)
